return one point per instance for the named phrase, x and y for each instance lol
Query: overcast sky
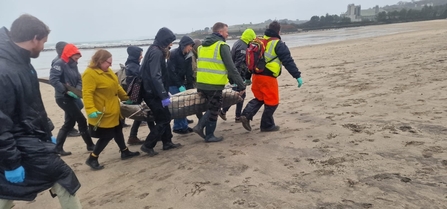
(103, 20)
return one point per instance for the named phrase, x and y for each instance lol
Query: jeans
(179, 124)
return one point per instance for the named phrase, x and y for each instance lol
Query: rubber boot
(198, 129)
(267, 121)
(60, 140)
(93, 162)
(210, 128)
(88, 140)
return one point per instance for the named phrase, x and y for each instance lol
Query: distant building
(353, 13)
(371, 14)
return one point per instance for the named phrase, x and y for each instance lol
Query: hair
(275, 26)
(219, 26)
(98, 58)
(28, 27)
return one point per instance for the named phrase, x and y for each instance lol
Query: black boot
(60, 140)
(149, 151)
(210, 128)
(88, 140)
(250, 110)
(126, 154)
(198, 129)
(93, 162)
(267, 121)
(171, 145)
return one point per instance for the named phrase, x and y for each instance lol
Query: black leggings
(105, 135)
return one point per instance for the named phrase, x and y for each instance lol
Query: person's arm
(172, 66)
(88, 89)
(79, 84)
(286, 59)
(56, 74)
(156, 77)
(233, 74)
(9, 154)
(189, 74)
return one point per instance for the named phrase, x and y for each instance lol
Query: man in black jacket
(155, 86)
(29, 163)
(181, 76)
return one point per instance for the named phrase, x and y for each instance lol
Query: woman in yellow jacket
(102, 94)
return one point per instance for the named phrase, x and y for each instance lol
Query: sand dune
(366, 130)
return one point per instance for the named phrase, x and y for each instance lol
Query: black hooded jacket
(133, 63)
(24, 130)
(180, 66)
(153, 70)
(59, 49)
(283, 53)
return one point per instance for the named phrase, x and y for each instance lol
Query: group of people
(30, 155)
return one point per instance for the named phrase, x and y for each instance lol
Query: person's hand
(94, 114)
(70, 93)
(300, 82)
(53, 139)
(15, 176)
(247, 82)
(241, 92)
(166, 102)
(182, 89)
(128, 102)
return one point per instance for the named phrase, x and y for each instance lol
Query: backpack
(254, 58)
(121, 73)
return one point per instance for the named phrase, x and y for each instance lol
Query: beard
(34, 54)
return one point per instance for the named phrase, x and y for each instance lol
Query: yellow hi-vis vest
(210, 67)
(272, 60)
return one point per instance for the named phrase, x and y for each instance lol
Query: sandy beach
(366, 130)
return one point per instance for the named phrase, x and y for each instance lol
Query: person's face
(169, 46)
(224, 32)
(76, 57)
(38, 46)
(106, 64)
(187, 49)
(141, 57)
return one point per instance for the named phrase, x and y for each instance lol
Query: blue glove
(182, 89)
(247, 82)
(166, 102)
(15, 176)
(128, 102)
(70, 93)
(300, 82)
(53, 139)
(94, 114)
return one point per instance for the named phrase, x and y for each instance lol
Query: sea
(119, 53)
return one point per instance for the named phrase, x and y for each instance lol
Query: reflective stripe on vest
(273, 62)
(210, 67)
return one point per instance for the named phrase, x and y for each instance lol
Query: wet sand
(366, 130)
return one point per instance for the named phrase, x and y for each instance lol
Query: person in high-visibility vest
(214, 67)
(265, 84)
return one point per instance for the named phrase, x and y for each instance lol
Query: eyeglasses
(110, 63)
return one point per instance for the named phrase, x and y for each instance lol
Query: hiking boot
(271, 129)
(245, 123)
(73, 133)
(133, 140)
(185, 131)
(62, 152)
(223, 115)
(126, 154)
(149, 151)
(237, 120)
(93, 163)
(171, 145)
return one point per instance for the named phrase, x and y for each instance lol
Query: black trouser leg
(240, 105)
(101, 144)
(162, 119)
(119, 137)
(70, 109)
(267, 120)
(252, 108)
(134, 129)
